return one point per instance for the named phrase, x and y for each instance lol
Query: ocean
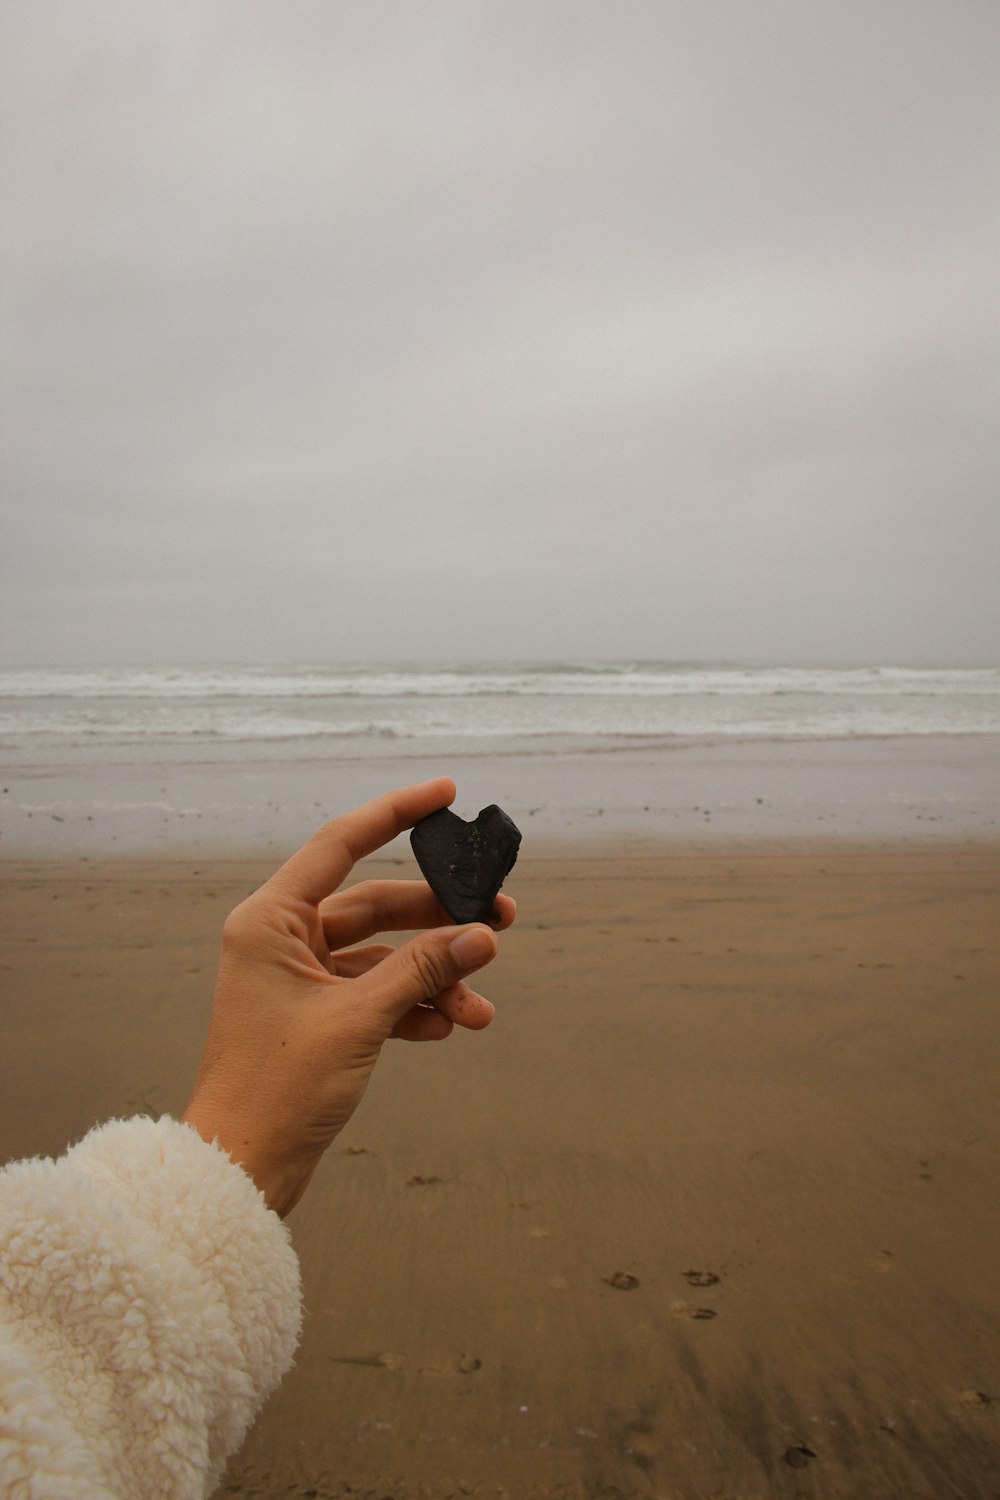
(533, 707)
(226, 758)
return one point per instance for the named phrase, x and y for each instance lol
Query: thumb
(426, 966)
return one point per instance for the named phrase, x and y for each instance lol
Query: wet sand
(712, 1210)
(224, 799)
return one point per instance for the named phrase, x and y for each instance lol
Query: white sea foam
(536, 703)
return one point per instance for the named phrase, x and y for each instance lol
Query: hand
(299, 1016)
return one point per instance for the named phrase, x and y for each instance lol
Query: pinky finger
(423, 1024)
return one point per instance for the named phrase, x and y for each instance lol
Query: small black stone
(465, 864)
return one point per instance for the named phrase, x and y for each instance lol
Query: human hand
(300, 1016)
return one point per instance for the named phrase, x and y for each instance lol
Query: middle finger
(373, 906)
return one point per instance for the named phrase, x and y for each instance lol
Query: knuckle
(239, 924)
(429, 967)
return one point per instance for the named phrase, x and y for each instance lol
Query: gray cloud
(642, 329)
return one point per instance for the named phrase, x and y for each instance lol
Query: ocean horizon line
(583, 662)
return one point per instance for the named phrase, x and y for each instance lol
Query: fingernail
(474, 947)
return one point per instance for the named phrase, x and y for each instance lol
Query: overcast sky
(488, 328)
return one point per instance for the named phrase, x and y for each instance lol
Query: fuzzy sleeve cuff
(149, 1302)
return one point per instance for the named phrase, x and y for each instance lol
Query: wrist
(280, 1178)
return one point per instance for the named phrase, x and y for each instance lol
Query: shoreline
(718, 792)
(549, 849)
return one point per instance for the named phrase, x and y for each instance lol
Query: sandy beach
(712, 1210)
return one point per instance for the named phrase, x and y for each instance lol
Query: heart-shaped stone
(465, 864)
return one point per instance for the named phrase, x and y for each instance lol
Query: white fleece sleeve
(149, 1302)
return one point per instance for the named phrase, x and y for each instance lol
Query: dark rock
(465, 864)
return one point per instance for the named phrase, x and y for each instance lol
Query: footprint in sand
(700, 1278)
(681, 1309)
(798, 1456)
(418, 1181)
(622, 1281)
(977, 1400)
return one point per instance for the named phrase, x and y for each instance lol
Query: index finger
(329, 856)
